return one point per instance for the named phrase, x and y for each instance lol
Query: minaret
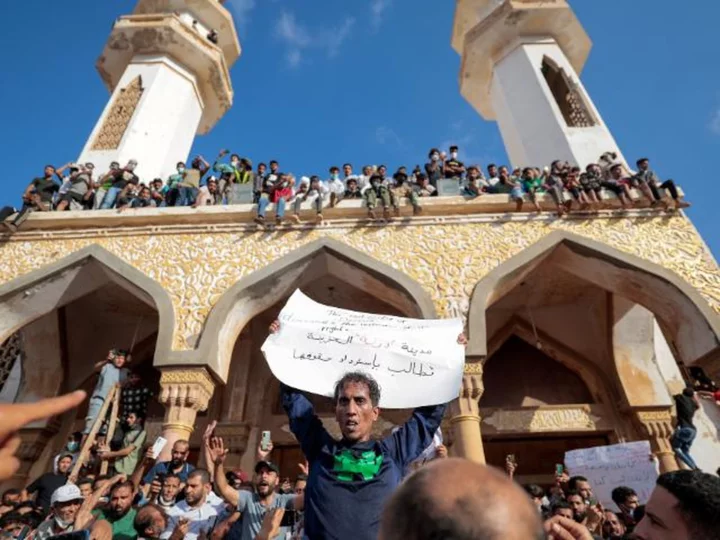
(520, 65)
(168, 81)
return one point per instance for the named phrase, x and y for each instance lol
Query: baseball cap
(260, 464)
(66, 493)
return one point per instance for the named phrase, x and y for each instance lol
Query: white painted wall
(531, 124)
(706, 448)
(162, 130)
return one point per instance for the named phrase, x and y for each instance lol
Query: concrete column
(657, 427)
(465, 416)
(183, 391)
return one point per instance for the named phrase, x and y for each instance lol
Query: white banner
(416, 362)
(608, 467)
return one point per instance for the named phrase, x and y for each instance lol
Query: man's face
(577, 503)
(643, 165)
(158, 524)
(85, 490)
(118, 360)
(170, 488)
(157, 184)
(274, 167)
(616, 173)
(132, 419)
(179, 454)
(10, 499)
(503, 172)
(472, 174)
(114, 166)
(121, 501)
(64, 465)
(355, 412)
(564, 512)
(382, 171)
(347, 170)
(261, 169)
(352, 186)
(67, 511)
(196, 491)
(145, 193)
(612, 527)
(493, 171)
(630, 504)
(300, 487)
(265, 481)
(49, 171)
(367, 171)
(584, 489)
(212, 187)
(662, 520)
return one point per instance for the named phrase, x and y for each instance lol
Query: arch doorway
(328, 272)
(58, 322)
(593, 319)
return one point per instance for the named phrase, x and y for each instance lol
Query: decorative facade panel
(446, 259)
(118, 118)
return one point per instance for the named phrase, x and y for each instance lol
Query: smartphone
(265, 441)
(559, 469)
(160, 443)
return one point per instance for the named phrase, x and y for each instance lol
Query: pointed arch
(33, 295)
(689, 320)
(262, 289)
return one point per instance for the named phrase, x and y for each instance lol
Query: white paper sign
(608, 467)
(416, 362)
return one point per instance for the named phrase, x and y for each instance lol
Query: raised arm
(216, 451)
(141, 468)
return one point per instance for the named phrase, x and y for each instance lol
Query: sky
(322, 82)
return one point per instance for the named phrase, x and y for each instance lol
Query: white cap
(66, 493)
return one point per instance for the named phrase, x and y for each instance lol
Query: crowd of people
(77, 186)
(399, 486)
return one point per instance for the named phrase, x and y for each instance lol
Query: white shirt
(203, 518)
(336, 186)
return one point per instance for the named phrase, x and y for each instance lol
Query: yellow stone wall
(446, 259)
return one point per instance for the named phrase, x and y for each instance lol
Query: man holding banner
(350, 480)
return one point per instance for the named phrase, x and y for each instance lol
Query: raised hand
(263, 454)
(216, 450)
(442, 451)
(462, 339)
(274, 327)
(304, 468)
(209, 430)
(561, 528)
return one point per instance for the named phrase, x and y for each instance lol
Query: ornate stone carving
(186, 387)
(119, 116)
(543, 420)
(197, 266)
(656, 423)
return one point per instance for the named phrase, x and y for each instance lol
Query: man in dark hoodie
(349, 480)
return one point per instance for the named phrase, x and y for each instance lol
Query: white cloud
(337, 36)
(377, 11)
(299, 38)
(241, 9)
(715, 122)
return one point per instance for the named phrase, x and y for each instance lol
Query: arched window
(567, 95)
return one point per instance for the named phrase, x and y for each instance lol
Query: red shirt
(280, 193)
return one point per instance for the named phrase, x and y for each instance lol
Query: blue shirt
(163, 468)
(109, 377)
(341, 509)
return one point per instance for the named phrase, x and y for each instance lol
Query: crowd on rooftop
(357, 487)
(77, 186)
